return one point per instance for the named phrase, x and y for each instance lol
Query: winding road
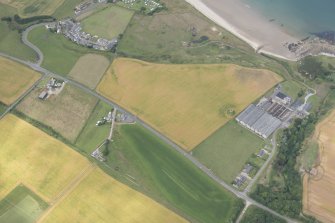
(37, 67)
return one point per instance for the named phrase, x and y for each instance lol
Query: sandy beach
(244, 22)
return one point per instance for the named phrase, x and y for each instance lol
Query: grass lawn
(292, 88)
(92, 136)
(228, 149)
(10, 40)
(89, 69)
(141, 159)
(35, 159)
(100, 198)
(21, 205)
(60, 54)
(185, 102)
(66, 112)
(255, 214)
(107, 23)
(15, 79)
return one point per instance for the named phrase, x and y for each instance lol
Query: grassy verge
(60, 54)
(228, 149)
(3, 108)
(142, 160)
(255, 214)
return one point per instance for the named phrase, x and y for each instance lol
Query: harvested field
(15, 79)
(319, 190)
(108, 22)
(66, 113)
(185, 102)
(31, 157)
(29, 8)
(89, 69)
(100, 198)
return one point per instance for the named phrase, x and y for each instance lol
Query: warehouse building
(259, 121)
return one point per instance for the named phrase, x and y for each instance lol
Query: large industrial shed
(258, 121)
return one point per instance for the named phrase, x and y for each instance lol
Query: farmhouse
(43, 95)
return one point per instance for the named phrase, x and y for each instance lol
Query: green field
(257, 215)
(154, 168)
(10, 40)
(107, 23)
(60, 54)
(66, 9)
(310, 154)
(292, 88)
(92, 136)
(21, 206)
(228, 149)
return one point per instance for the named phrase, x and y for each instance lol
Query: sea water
(298, 17)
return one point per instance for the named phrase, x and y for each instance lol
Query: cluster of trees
(284, 191)
(312, 68)
(20, 24)
(257, 215)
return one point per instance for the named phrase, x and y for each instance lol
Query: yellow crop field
(319, 190)
(185, 102)
(100, 198)
(15, 79)
(28, 8)
(31, 157)
(89, 69)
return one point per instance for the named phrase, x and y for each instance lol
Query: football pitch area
(108, 23)
(21, 206)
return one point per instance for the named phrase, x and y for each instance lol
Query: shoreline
(262, 35)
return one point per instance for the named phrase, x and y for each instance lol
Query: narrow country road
(37, 67)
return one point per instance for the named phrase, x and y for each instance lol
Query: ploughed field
(66, 112)
(185, 102)
(29, 8)
(15, 79)
(319, 191)
(89, 69)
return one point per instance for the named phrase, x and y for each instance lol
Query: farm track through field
(208, 172)
(67, 190)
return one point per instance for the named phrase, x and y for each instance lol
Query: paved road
(37, 67)
(29, 44)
